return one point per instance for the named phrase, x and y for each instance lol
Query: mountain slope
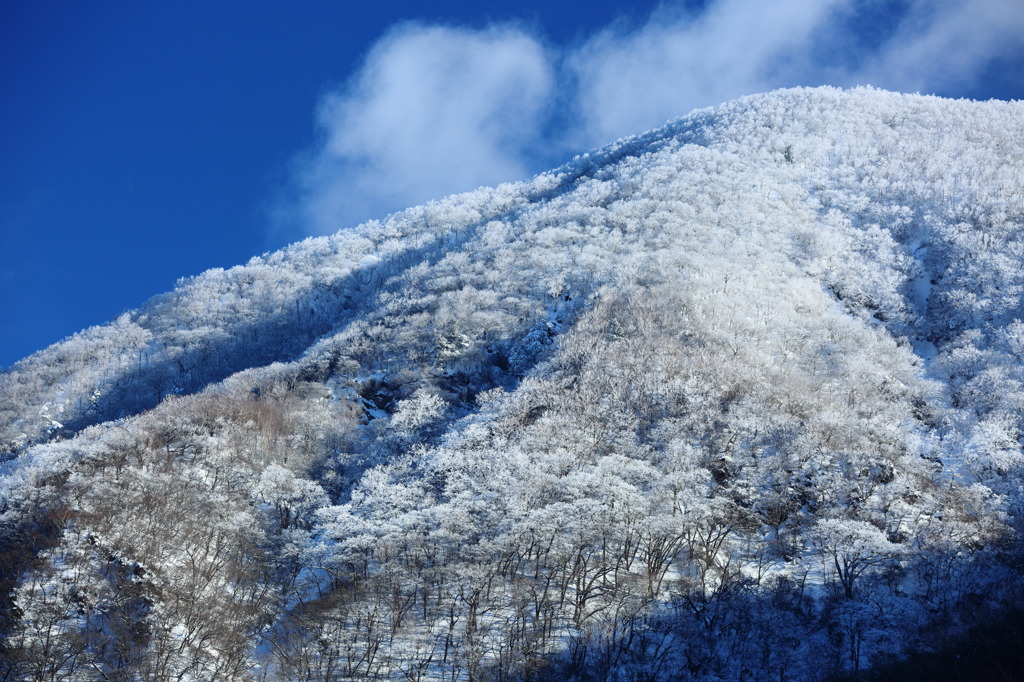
(759, 367)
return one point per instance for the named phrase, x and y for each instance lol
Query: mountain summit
(737, 398)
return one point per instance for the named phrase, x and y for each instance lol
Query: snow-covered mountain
(738, 398)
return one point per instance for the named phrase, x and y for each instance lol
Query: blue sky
(142, 142)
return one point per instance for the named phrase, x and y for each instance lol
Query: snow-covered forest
(739, 398)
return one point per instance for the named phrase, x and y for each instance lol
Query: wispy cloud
(942, 45)
(441, 109)
(434, 110)
(630, 81)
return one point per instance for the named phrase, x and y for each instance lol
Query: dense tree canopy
(738, 398)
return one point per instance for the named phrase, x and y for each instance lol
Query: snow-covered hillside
(738, 398)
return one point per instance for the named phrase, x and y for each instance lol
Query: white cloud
(436, 110)
(629, 82)
(943, 44)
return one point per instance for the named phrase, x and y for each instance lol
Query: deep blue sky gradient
(143, 142)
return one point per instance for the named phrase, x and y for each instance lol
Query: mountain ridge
(561, 177)
(777, 336)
